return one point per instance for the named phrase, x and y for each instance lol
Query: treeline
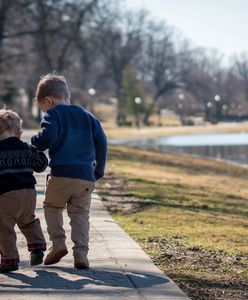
(127, 55)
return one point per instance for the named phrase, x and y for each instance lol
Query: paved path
(119, 267)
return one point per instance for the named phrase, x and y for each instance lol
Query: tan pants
(75, 195)
(18, 207)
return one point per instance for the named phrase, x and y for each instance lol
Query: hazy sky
(220, 24)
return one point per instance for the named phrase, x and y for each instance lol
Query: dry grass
(199, 197)
(189, 214)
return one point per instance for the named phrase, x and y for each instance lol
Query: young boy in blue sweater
(77, 150)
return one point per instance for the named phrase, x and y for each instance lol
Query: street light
(239, 110)
(92, 93)
(224, 107)
(209, 104)
(217, 99)
(181, 106)
(181, 96)
(208, 114)
(137, 101)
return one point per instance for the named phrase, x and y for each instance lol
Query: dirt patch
(201, 273)
(115, 196)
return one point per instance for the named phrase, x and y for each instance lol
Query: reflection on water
(232, 147)
(223, 139)
(238, 154)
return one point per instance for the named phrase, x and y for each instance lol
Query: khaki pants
(75, 195)
(18, 207)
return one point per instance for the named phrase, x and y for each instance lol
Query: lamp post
(137, 103)
(181, 96)
(138, 100)
(225, 109)
(240, 110)
(181, 106)
(92, 93)
(209, 106)
(217, 99)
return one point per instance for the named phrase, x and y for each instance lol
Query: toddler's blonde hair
(9, 120)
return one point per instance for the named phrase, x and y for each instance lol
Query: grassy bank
(113, 131)
(189, 215)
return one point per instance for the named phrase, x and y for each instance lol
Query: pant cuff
(14, 261)
(81, 257)
(34, 246)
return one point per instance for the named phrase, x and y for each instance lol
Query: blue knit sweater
(76, 142)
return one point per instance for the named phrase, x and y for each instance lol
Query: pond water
(229, 146)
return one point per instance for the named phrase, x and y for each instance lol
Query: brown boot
(55, 255)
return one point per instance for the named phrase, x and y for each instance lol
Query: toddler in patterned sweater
(17, 193)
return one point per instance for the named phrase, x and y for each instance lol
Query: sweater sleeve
(100, 142)
(39, 160)
(48, 133)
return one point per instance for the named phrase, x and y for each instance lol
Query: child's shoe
(55, 255)
(8, 268)
(36, 257)
(81, 261)
(81, 266)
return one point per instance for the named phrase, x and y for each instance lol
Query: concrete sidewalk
(119, 267)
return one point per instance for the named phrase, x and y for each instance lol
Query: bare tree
(240, 67)
(160, 60)
(159, 64)
(120, 42)
(201, 78)
(58, 25)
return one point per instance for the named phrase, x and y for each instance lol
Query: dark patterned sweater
(18, 160)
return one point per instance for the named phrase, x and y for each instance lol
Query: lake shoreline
(113, 131)
(231, 147)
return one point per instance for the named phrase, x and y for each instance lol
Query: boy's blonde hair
(9, 120)
(52, 85)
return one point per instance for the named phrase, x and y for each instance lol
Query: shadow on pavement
(67, 279)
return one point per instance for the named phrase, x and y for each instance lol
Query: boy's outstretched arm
(48, 134)
(101, 146)
(39, 160)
